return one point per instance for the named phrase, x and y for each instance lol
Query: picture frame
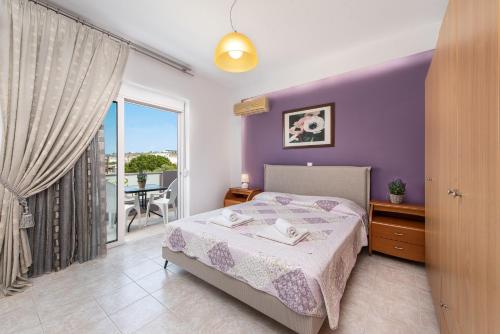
(309, 127)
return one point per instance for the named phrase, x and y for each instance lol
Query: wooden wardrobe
(462, 163)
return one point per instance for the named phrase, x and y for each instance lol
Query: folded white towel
(222, 221)
(284, 227)
(271, 233)
(229, 214)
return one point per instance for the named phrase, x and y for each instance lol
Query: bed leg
(165, 265)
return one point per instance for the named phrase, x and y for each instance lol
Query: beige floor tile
(167, 323)
(138, 314)
(61, 295)
(18, 320)
(102, 326)
(142, 270)
(379, 325)
(50, 312)
(105, 326)
(88, 316)
(107, 284)
(125, 261)
(34, 330)
(157, 280)
(152, 252)
(120, 298)
(22, 300)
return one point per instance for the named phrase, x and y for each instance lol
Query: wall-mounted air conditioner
(252, 106)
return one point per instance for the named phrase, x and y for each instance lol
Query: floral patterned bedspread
(309, 277)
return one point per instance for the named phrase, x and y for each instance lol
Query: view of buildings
(147, 131)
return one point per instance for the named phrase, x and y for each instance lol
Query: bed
(298, 286)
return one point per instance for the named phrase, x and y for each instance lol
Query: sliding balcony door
(151, 160)
(144, 134)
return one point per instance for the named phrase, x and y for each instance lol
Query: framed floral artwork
(309, 127)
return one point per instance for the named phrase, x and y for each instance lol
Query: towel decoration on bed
(229, 214)
(284, 227)
(230, 218)
(284, 232)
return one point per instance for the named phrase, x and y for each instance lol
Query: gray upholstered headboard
(337, 181)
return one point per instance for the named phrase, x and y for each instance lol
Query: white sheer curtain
(57, 80)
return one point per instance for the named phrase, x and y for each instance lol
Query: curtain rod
(134, 46)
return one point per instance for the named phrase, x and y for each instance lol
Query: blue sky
(146, 129)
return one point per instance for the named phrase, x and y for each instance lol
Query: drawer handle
(399, 234)
(398, 248)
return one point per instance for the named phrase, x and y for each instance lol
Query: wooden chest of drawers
(397, 230)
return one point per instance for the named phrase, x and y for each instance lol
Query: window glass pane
(111, 160)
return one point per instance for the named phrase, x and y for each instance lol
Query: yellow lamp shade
(235, 53)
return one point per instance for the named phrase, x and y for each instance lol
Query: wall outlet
(309, 164)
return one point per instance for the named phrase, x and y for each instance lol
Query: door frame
(131, 92)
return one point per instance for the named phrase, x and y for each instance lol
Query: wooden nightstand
(397, 230)
(239, 195)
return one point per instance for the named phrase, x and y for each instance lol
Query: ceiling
(297, 40)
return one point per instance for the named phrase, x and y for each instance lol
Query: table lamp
(244, 181)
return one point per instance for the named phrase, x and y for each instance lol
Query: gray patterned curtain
(58, 78)
(70, 216)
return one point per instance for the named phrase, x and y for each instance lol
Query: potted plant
(397, 189)
(141, 179)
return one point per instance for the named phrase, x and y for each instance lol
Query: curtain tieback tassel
(26, 217)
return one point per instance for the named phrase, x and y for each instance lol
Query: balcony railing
(159, 178)
(163, 179)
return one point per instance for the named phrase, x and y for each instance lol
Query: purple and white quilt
(309, 277)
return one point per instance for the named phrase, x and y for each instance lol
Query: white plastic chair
(132, 203)
(164, 200)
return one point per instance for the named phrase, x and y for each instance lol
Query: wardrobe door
(441, 161)
(478, 128)
(432, 225)
(449, 249)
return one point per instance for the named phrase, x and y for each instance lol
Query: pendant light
(235, 51)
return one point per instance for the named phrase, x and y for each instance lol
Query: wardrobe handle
(399, 234)
(454, 193)
(398, 248)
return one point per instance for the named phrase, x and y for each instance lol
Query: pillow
(324, 203)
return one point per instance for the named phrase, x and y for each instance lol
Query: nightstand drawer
(399, 233)
(228, 202)
(399, 249)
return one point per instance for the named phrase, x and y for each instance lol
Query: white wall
(209, 123)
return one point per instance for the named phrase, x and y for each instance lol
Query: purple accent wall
(379, 122)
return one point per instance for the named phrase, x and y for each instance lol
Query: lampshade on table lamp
(244, 181)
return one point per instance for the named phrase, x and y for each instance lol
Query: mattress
(309, 278)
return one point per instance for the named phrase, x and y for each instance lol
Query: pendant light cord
(231, 15)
